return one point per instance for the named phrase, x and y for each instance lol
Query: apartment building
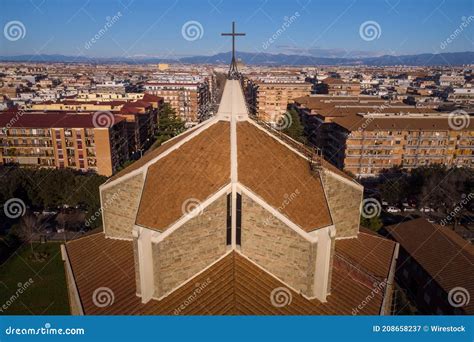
(451, 80)
(190, 100)
(62, 140)
(141, 115)
(364, 135)
(338, 86)
(269, 97)
(111, 87)
(462, 95)
(318, 111)
(104, 97)
(372, 143)
(9, 92)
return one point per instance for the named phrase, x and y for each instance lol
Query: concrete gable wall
(191, 248)
(344, 202)
(119, 206)
(277, 248)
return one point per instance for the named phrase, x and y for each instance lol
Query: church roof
(232, 285)
(150, 156)
(198, 163)
(274, 172)
(196, 170)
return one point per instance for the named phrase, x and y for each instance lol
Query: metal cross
(233, 72)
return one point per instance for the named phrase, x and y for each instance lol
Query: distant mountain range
(426, 59)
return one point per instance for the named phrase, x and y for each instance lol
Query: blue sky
(154, 28)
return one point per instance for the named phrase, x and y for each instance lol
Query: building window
(239, 220)
(229, 220)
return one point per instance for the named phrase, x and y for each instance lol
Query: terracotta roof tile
(50, 120)
(233, 285)
(150, 155)
(171, 181)
(368, 251)
(357, 122)
(274, 172)
(442, 253)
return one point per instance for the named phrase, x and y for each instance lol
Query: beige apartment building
(62, 140)
(269, 99)
(189, 100)
(372, 143)
(337, 86)
(78, 106)
(366, 134)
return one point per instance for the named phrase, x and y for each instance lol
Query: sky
(178, 28)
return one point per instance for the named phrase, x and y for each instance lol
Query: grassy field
(30, 287)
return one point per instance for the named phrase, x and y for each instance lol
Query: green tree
(169, 124)
(374, 223)
(393, 186)
(29, 228)
(49, 188)
(292, 126)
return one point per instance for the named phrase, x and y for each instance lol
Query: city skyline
(261, 158)
(177, 28)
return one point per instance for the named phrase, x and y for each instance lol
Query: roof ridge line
(350, 181)
(186, 218)
(196, 130)
(221, 257)
(194, 133)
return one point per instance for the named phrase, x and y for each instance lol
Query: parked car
(392, 209)
(426, 210)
